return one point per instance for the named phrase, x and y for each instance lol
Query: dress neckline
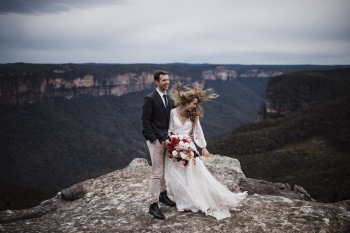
(177, 114)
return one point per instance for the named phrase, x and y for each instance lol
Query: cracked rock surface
(118, 202)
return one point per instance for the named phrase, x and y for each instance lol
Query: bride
(188, 180)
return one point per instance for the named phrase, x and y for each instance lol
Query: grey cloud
(196, 31)
(36, 7)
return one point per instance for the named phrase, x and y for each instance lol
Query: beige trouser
(157, 184)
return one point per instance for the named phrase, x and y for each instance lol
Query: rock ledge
(117, 202)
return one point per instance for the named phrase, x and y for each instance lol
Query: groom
(155, 122)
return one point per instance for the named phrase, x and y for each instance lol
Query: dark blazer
(155, 117)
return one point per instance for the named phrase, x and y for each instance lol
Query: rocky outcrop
(117, 202)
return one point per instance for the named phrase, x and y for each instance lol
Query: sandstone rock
(226, 170)
(262, 187)
(117, 202)
(76, 191)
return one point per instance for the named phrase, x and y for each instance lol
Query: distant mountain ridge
(27, 83)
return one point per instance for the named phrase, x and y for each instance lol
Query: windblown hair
(182, 94)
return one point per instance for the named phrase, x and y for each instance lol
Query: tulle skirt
(194, 188)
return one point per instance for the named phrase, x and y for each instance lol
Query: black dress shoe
(155, 211)
(163, 198)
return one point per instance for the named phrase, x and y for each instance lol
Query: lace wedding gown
(193, 187)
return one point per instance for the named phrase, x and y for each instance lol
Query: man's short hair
(157, 74)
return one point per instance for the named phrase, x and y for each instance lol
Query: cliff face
(289, 92)
(28, 83)
(27, 88)
(117, 202)
(19, 86)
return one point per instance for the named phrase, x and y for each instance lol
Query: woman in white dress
(188, 180)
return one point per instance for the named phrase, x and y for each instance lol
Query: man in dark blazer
(155, 122)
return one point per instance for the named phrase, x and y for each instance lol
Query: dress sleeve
(199, 135)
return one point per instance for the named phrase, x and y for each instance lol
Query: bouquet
(180, 150)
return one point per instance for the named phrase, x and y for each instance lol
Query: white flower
(174, 153)
(183, 155)
(181, 144)
(192, 154)
(181, 137)
(186, 145)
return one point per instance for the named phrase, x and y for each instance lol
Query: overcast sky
(166, 31)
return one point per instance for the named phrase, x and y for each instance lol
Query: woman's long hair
(182, 94)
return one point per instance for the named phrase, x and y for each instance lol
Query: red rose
(175, 140)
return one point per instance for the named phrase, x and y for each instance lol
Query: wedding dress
(193, 187)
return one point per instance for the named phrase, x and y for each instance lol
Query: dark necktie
(165, 101)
